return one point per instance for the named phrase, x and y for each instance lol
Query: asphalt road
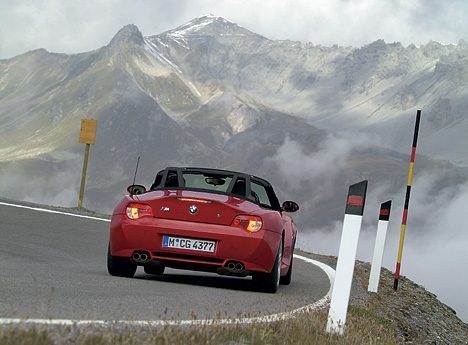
(53, 266)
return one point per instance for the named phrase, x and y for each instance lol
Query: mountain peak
(211, 25)
(129, 33)
(205, 19)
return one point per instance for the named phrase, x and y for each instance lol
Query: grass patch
(363, 327)
(361, 312)
(25, 337)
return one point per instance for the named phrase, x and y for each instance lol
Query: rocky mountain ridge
(212, 93)
(369, 88)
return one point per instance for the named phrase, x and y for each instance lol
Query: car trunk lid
(196, 206)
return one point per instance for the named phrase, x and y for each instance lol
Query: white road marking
(54, 211)
(320, 304)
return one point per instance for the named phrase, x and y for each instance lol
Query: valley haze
(309, 118)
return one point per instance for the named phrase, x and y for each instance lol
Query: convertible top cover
(248, 187)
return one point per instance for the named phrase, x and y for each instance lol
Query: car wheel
(286, 280)
(120, 266)
(269, 282)
(159, 270)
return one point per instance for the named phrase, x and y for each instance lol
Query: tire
(158, 270)
(286, 280)
(269, 282)
(120, 266)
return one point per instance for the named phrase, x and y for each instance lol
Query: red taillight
(136, 211)
(249, 223)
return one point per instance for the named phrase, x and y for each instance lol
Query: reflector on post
(354, 200)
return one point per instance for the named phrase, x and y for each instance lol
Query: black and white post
(346, 258)
(379, 246)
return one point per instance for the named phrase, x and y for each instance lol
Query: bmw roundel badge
(193, 209)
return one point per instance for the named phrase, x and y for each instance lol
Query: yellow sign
(88, 131)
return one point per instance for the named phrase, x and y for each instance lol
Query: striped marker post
(379, 246)
(407, 199)
(346, 258)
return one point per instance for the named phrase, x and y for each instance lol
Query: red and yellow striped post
(407, 198)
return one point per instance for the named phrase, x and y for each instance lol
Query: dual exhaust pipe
(235, 267)
(141, 257)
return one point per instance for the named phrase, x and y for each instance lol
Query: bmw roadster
(207, 220)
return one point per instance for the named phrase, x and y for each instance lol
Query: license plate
(189, 244)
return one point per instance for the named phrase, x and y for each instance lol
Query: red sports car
(207, 220)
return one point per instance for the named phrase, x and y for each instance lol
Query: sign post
(87, 136)
(379, 246)
(346, 258)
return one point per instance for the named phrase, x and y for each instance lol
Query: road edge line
(320, 304)
(54, 211)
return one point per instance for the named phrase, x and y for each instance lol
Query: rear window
(225, 182)
(216, 183)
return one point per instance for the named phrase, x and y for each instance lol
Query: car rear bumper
(256, 251)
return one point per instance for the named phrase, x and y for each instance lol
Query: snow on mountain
(207, 24)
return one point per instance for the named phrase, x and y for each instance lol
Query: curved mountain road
(53, 266)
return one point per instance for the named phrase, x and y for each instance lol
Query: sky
(66, 26)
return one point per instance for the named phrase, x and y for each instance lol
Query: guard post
(376, 267)
(87, 136)
(346, 258)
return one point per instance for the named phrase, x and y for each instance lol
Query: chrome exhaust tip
(136, 257)
(235, 266)
(141, 257)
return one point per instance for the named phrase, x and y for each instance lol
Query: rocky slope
(416, 313)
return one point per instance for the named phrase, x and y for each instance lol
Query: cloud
(42, 183)
(434, 252)
(320, 168)
(72, 27)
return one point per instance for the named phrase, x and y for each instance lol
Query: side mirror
(136, 189)
(290, 206)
